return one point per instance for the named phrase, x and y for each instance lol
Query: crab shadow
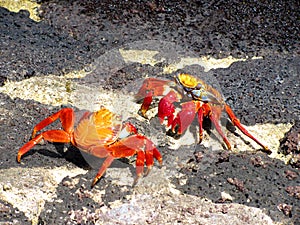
(59, 153)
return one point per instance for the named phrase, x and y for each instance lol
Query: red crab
(195, 96)
(101, 134)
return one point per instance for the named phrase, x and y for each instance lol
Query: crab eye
(187, 89)
(199, 86)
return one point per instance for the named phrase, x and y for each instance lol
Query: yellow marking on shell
(188, 80)
(86, 135)
(108, 125)
(100, 128)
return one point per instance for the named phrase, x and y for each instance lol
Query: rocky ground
(92, 53)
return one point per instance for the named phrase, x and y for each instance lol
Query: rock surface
(92, 53)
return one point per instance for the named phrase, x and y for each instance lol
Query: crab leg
(143, 147)
(214, 117)
(200, 121)
(136, 144)
(237, 123)
(140, 161)
(146, 103)
(66, 117)
(118, 150)
(151, 152)
(102, 169)
(51, 136)
(148, 157)
(219, 130)
(166, 107)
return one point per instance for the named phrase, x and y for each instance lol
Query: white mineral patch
(147, 57)
(17, 5)
(50, 90)
(207, 63)
(140, 56)
(268, 134)
(225, 196)
(54, 90)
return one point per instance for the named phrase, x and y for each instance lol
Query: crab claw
(146, 103)
(166, 107)
(154, 85)
(184, 118)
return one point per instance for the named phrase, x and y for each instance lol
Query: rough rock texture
(197, 184)
(290, 144)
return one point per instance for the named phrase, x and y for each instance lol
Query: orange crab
(102, 134)
(195, 97)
